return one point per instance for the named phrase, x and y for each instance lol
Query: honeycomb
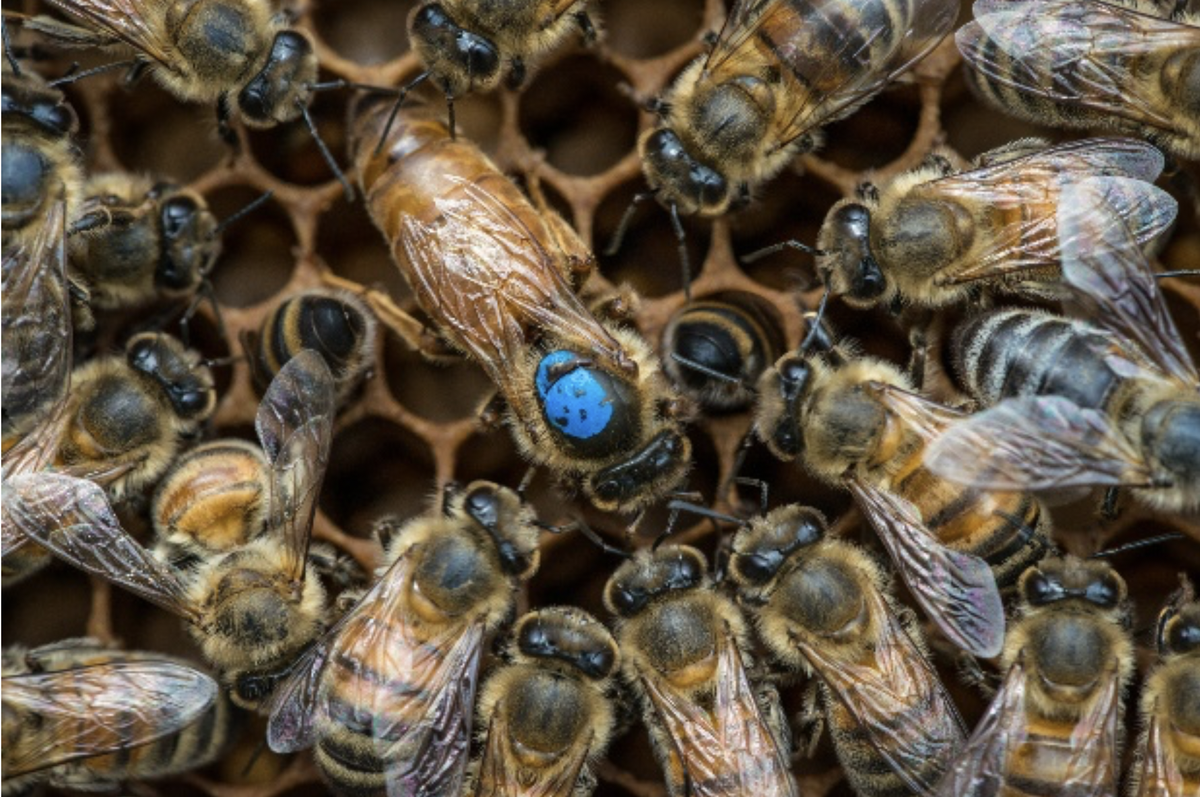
(570, 132)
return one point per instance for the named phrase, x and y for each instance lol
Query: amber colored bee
(779, 70)
(336, 324)
(469, 47)
(80, 717)
(715, 348)
(934, 236)
(1168, 760)
(548, 714)
(1115, 66)
(41, 163)
(682, 643)
(236, 53)
(855, 422)
(251, 610)
(1055, 725)
(387, 696)
(823, 607)
(496, 276)
(1105, 397)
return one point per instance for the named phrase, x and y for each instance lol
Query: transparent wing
(295, 427)
(880, 695)
(1092, 766)
(138, 23)
(979, 769)
(833, 55)
(498, 772)
(1093, 63)
(73, 519)
(1037, 443)
(489, 283)
(1157, 774)
(36, 324)
(1112, 283)
(732, 751)
(102, 708)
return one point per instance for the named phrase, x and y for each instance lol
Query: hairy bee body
(1116, 66)
(87, 676)
(498, 278)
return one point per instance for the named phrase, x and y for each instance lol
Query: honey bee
(822, 606)
(468, 47)
(251, 610)
(83, 718)
(855, 423)
(1107, 397)
(715, 348)
(548, 714)
(1168, 762)
(336, 324)
(681, 646)
(933, 238)
(1053, 728)
(497, 277)
(41, 163)
(1117, 66)
(779, 70)
(387, 696)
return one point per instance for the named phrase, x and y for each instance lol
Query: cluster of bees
(1071, 376)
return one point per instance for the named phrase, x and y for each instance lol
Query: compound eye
(177, 215)
(1184, 637)
(253, 688)
(664, 146)
(478, 56)
(190, 403)
(759, 568)
(57, 117)
(796, 373)
(597, 663)
(807, 532)
(1103, 593)
(688, 571)
(143, 355)
(534, 641)
(707, 184)
(629, 600)
(483, 505)
(868, 281)
(1040, 590)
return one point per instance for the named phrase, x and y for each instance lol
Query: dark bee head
(651, 575)
(591, 412)
(189, 244)
(250, 689)
(162, 358)
(27, 98)
(458, 60)
(277, 93)
(499, 512)
(846, 262)
(1055, 580)
(646, 475)
(1171, 434)
(782, 391)
(569, 635)
(761, 550)
(679, 179)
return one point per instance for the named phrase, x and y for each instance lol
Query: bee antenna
(325, 153)
(450, 117)
(681, 242)
(791, 243)
(739, 461)
(400, 95)
(72, 75)
(814, 329)
(618, 238)
(9, 55)
(1185, 272)
(579, 524)
(704, 369)
(1133, 546)
(334, 85)
(238, 215)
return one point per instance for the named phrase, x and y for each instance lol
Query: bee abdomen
(867, 770)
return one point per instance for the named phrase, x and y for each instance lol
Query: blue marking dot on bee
(576, 403)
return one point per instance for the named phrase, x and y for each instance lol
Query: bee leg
(1109, 509)
(809, 723)
(516, 74)
(709, 40)
(972, 674)
(135, 74)
(918, 341)
(868, 192)
(491, 414)
(224, 129)
(618, 306)
(587, 28)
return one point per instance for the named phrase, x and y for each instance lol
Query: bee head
(782, 390)
(647, 474)
(1055, 580)
(762, 549)
(569, 635)
(846, 262)
(162, 358)
(498, 511)
(188, 243)
(679, 180)
(650, 575)
(459, 60)
(280, 89)
(41, 105)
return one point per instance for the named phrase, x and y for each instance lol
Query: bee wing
(36, 366)
(1112, 283)
(102, 708)
(492, 280)
(732, 751)
(73, 519)
(498, 773)
(1157, 774)
(295, 426)
(980, 767)
(900, 678)
(1092, 63)
(825, 81)
(1037, 443)
(138, 23)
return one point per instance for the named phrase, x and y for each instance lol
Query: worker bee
(468, 47)
(715, 348)
(1054, 726)
(1168, 762)
(855, 423)
(778, 71)
(251, 610)
(497, 277)
(336, 324)
(822, 607)
(934, 238)
(387, 696)
(41, 163)
(681, 643)
(1117, 66)
(1107, 397)
(80, 717)
(548, 714)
